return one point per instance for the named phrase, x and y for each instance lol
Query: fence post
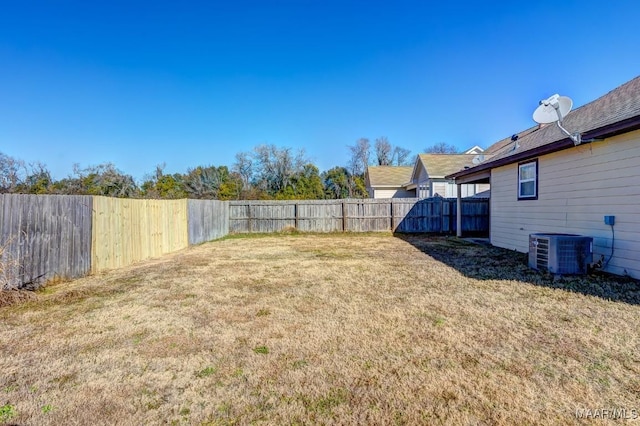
(250, 225)
(344, 216)
(295, 211)
(392, 219)
(451, 216)
(459, 210)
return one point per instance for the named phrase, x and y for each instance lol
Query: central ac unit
(563, 254)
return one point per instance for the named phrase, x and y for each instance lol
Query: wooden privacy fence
(207, 219)
(43, 238)
(407, 215)
(440, 215)
(126, 231)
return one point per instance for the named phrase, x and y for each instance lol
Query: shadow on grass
(485, 262)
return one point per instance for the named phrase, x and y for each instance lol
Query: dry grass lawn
(329, 329)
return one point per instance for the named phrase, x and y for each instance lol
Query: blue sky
(193, 83)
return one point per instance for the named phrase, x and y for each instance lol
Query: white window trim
(534, 179)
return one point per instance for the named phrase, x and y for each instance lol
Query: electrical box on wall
(609, 220)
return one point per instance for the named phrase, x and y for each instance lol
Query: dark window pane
(528, 189)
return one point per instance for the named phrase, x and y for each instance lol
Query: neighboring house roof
(475, 150)
(483, 194)
(614, 113)
(440, 165)
(388, 176)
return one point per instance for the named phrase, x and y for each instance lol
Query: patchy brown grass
(306, 329)
(13, 297)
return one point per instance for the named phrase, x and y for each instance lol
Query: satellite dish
(553, 109)
(478, 159)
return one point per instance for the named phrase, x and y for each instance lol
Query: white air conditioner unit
(563, 254)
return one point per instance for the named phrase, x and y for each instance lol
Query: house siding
(440, 188)
(448, 189)
(577, 187)
(421, 180)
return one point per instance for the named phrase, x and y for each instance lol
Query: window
(528, 180)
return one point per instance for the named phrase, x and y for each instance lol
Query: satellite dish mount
(555, 109)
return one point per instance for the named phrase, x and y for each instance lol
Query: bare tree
(244, 167)
(360, 153)
(441, 148)
(383, 149)
(275, 167)
(385, 155)
(12, 173)
(401, 156)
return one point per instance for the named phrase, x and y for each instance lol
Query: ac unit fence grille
(571, 254)
(542, 253)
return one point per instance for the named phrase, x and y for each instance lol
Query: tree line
(265, 172)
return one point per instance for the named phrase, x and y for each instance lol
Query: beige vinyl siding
(423, 176)
(421, 180)
(576, 189)
(440, 188)
(449, 190)
(393, 193)
(467, 190)
(482, 187)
